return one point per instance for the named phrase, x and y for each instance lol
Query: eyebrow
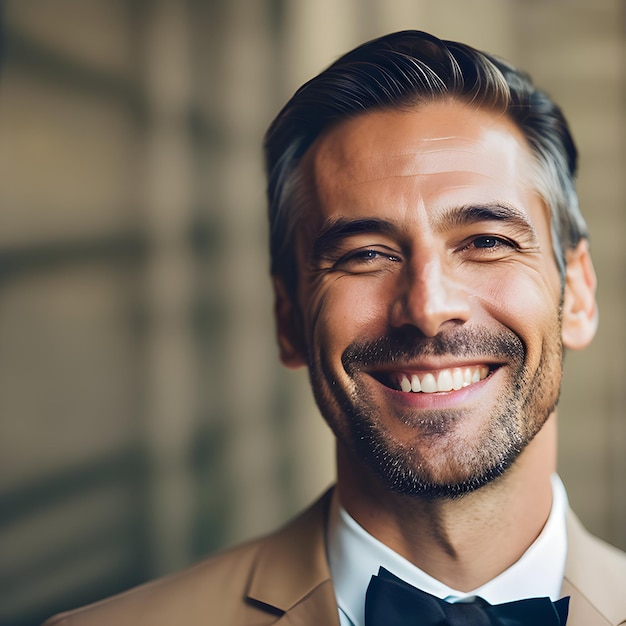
(489, 212)
(335, 231)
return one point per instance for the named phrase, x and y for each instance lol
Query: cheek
(527, 304)
(344, 309)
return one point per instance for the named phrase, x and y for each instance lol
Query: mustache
(410, 344)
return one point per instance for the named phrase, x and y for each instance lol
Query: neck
(464, 542)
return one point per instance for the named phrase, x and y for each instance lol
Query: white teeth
(467, 377)
(444, 380)
(429, 384)
(457, 379)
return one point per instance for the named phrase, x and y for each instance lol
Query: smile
(449, 379)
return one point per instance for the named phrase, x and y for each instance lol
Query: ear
(580, 311)
(288, 327)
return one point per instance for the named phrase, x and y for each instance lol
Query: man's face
(428, 303)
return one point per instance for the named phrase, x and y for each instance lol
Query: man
(430, 266)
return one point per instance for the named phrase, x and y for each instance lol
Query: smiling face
(429, 303)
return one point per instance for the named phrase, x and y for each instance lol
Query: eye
(488, 247)
(489, 242)
(366, 259)
(371, 255)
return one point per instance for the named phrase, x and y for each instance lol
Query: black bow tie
(392, 602)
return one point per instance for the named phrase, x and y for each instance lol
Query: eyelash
(366, 255)
(498, 242)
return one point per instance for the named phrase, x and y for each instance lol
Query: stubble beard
(463, 466)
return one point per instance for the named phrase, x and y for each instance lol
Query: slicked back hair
(402, 71)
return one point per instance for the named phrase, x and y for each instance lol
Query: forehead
(435, 153)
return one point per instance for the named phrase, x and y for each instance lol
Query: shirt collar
(354, 556)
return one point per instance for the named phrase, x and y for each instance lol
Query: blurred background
(144, 418)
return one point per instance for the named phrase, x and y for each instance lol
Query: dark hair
(403, 70)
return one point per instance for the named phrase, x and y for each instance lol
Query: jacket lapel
(319, 607)
(581, 610)
(291, 577)
(595, 574)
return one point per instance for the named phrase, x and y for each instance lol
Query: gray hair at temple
(402, 71)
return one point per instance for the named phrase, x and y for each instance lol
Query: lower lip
(440, 399)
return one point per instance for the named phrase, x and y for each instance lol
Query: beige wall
(144, 417)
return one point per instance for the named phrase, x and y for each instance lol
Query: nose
(428, 296)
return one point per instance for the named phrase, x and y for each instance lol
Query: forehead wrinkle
(424, 176)
(342, 154)
(407, 165)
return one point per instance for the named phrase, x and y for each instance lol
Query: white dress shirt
(354, 556)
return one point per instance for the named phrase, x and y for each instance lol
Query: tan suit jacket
(284, 580)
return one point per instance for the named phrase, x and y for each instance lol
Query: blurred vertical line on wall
(169, 283)
(618, 469)
(238, 97)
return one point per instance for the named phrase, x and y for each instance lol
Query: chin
(410, 484)
(455, 471)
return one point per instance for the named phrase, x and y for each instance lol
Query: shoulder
(185, 597)
(588, 555)
(596, 570)
(231, 587)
